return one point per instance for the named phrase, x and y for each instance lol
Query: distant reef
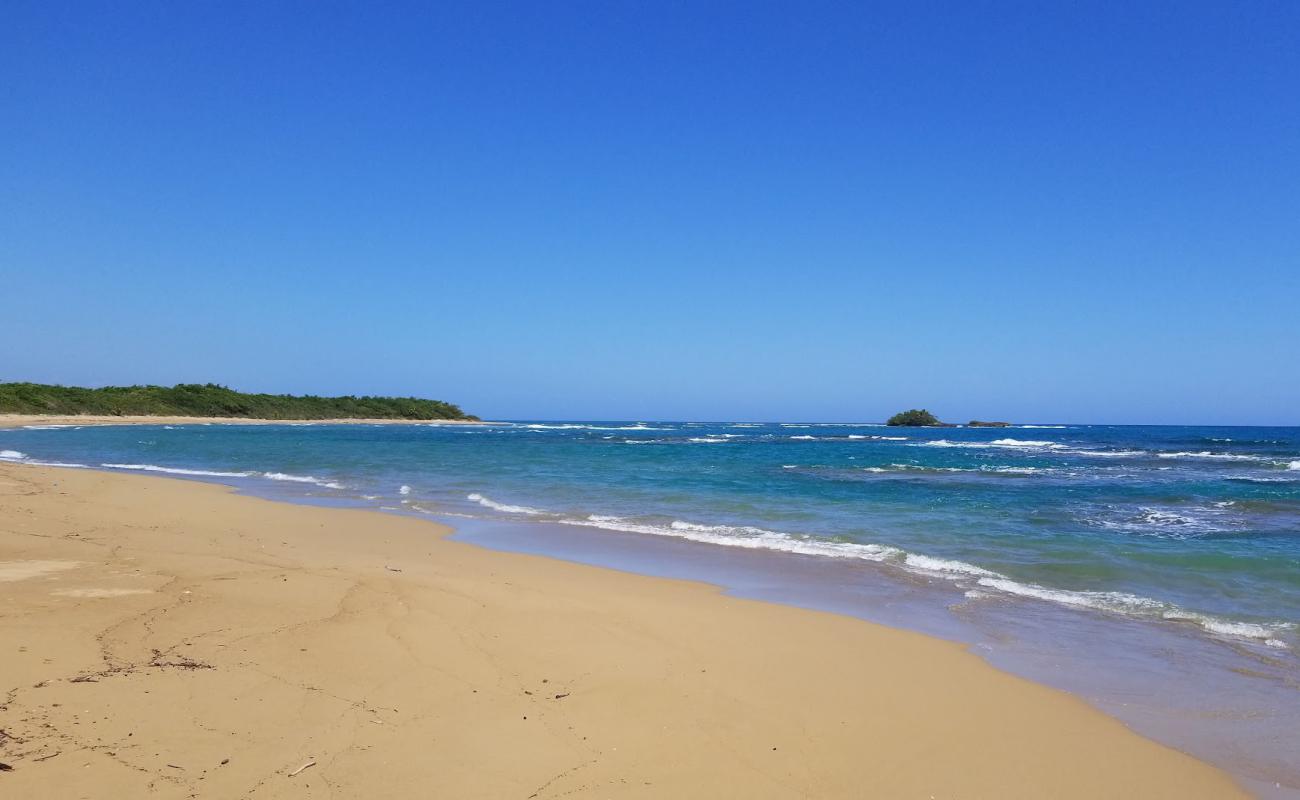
(920, 418)
(212, 400)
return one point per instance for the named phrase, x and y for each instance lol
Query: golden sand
(171, 639)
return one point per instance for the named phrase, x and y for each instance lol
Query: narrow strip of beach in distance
(175, 639)
(47, 420)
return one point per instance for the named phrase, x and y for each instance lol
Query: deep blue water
(1155, 570)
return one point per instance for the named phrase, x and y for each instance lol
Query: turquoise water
(1074, 536)
(1194, 526)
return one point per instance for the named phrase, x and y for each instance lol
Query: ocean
(1153, 570)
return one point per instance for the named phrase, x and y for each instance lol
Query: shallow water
(1153, 570)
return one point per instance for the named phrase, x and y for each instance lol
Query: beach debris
(51, 755)
(392, 569)
(303, 767)
(180, 662)
(561, 696)
(175, 766)
(5, 767)
(225, 761)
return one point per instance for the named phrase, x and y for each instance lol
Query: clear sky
(1035, 211)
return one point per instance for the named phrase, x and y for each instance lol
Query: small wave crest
(503, 507)
(1134, 605)
(284, 476)
(207, 473)
(741, 536)
(961, 572)
(1013, 444)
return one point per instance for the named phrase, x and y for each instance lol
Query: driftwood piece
(303, 767)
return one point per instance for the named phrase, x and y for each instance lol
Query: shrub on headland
(212, 400)
(916, 417)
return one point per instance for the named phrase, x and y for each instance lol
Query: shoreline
(29, 420)
(427, 641)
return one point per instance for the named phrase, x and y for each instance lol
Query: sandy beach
(165, 638)
(23, 420)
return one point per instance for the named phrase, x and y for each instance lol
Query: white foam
(1120, 602)
(508, 509)
(1158, 517)
(284, 476)
(1226, 627)
(742, 536)
(1182, 522)
(403, 489)
(1025, 443)
(803, 437)
(1131, 604)
(945, 566)
(1112, 453)
(1294, 465)
(178, 470)
(960, 572)
(12, 455)
(1039, 426)
(701, 440)
(1013, 444)
(1208, 454)
(985, 469)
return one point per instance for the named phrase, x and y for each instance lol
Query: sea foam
(508, 509)
(960, 572)
(284, 476)
(178, 470)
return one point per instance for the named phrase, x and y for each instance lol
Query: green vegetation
(975, 423)
(917, 417)
(211, 400)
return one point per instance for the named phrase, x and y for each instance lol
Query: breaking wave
(960, 572)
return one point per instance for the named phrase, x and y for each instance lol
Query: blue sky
(1042, 212)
